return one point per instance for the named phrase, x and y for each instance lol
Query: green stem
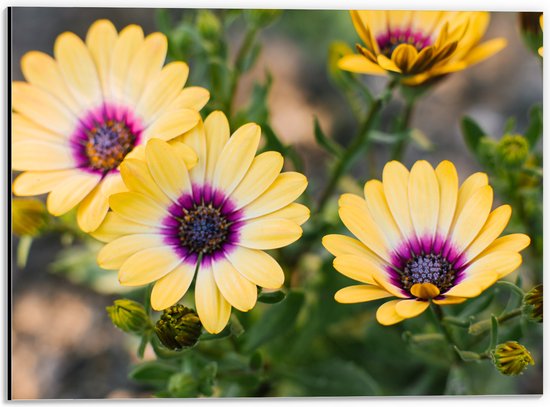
(356, 147)
(246, 45)
(401, 145)
(437, 315)
(483, 326)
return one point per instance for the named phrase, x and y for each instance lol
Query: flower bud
(532, 304)
(511, 358)
(128, 315)
(182, 385)
(178, 327)
(512, 150)
(29, 216)
(208, 25)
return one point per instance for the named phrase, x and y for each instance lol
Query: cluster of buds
(130, 316)
(532, 304)
(511, 358)
(179, 327)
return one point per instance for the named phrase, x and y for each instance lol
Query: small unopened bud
(511, 358)
(532, 304)
(179, 327)
(29, 216)
(208, 25)
(512, 150)
(128, 315)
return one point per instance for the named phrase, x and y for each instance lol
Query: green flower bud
(178, 327)
(512, 150)
(208, 24)
(128, 315)
(182, 385)
(511, 358)
(532, 304)
(29, 216)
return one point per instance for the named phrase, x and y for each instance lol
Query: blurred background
(64, 345)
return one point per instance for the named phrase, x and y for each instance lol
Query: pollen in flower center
(390, 40)
(108, 143)
(203, 229)
(428, 268)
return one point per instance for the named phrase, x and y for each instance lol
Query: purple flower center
(202, 223)
(104, 137)
(390, 40)
(428, 268)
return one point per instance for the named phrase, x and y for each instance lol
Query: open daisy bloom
(222, 213)
(419, 45)
(422, 239)
(80, 114)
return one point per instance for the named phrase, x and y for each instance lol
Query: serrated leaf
(472, 133)
(277, 320)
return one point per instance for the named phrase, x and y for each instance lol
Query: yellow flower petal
(467, 189)
(236, 157)
(129, 41)
(424, 199)
(137, 207)
(115, 226)
(262, 173)
(395, 178)
(472, 217)
(169, 289)
(216, 128)
(162, 90)
(447, 178)
(42, 71)
(146, 64)
(424, 290)
(449, 300)
(66, 195)
(387, 63)
(360, 64)
(257, 266)
(496, 222)
(42, 108)
(235, 288)
(360, 293)
(94, 207)
(172, 124)
(192, 97)
(355, 215)
(113, 255)
(339, 245)
(269, 234)
(41, 156)
(101, 39)
(23, 129)
(78, 69)
(196, 140)
(213, 309)
(379, 210)
(147, 266)
(40, 182)
(386, 314)
(411, 308)
(515, 242)
(185, 153)
(294, 212)
(286, 188)
(404, 56)
(167, 169)
(485, 50)
(137, 178)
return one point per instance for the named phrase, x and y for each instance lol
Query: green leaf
(534, 131)
(324, 141)
(278, 319)
(472, 133)
(333, 377)
(153, 373)
(272, 297)
(510, 125)
(466, 355)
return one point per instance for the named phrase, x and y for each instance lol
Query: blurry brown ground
(63, 343)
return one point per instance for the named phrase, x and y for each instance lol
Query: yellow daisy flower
(79, 114)
(419, 45)
(422, 239)
(224, 212)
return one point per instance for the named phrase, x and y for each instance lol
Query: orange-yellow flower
(422, 239)
(419, 45)
(81, 113)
